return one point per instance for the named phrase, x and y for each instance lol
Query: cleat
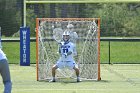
(78, 80)
(52, 80)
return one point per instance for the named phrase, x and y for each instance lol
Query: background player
(5, 73)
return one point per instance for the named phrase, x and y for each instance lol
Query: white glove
(64, 54)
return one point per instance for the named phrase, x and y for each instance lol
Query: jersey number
(65, 50)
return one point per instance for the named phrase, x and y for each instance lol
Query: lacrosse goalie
(66, 50)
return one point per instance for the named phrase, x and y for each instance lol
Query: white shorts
(65, 64)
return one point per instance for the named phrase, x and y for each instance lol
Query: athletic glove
(65, 54)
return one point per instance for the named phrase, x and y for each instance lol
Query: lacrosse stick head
(57, 34)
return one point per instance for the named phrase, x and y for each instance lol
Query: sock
(78, 77)
(53, 78)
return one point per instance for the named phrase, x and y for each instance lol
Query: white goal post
(87, 45)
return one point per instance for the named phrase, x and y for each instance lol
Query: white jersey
(2, 55)
(65, 48)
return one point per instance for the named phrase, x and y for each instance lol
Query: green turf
(125, 52)
(115, 79)
(121, 52)
(12, 50)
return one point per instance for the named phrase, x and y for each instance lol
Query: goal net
(49, 33)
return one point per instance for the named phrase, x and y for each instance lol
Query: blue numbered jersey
(65, 48)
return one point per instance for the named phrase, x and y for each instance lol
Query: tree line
(117, 19)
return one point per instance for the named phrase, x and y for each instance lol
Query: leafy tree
(117, 19)
(31, 21)
(7, 17)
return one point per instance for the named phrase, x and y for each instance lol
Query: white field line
(60, 89)
(137, 70)
(124, 70)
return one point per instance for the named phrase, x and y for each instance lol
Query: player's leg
(59, 64)
(6, 76)
(73, 65)
(77, 73)
(53, 73)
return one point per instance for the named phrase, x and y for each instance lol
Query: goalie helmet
(66, 33)
(66, 36)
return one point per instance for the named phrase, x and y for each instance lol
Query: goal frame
(68, 19)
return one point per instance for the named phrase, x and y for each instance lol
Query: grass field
(121, 52)
(115, 79)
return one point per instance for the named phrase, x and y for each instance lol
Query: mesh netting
(49, 34)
